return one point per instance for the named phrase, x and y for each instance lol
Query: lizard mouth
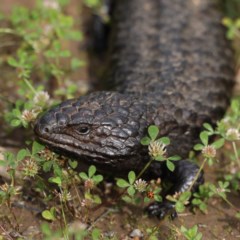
(70, 147)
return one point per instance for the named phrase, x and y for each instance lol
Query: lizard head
(102, 127)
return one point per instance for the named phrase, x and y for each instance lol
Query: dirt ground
(219, 223)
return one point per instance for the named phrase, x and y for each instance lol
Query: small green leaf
(45, 229)
(238, 215)
(171, 198)
(56, 180)
(198, 237)
(92, 3)
(208, 127)
(237, 23)
(73, 164)
(47, 166)
(37, 147)
(174, 158)
(170, 165)
(97, 178)
(74, 35)
(203, 207)
(227, 21)
(65, 53)
(96, 199)
(198, 147)
(185, 196)
(122, 183)
(49, 215)
(235, 105)
(50, 54)
(196, 201)
(179, 207)
(76, 63)
(57, 170)
(131, 190)
(145, 141)
(21, 154)
(153, 132)
(194, 230)
(131, 177)
(96, 234)
(91, 171)
(17, 112)
(88, 195)
(160, 158)
(183, 229)
(3, 163)
(15, 123)
(223, 185)
(83, 175)
(210, 161)
(127, 199)
(146, 200)
(164, 140)
(218, 144)
(157, 198)
(228, 177)
(204, 138)
(12, 62)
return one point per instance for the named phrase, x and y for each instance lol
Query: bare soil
(219, 223)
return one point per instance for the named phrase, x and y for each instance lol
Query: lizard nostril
(46, 130)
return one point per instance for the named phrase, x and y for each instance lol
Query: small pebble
(15, 234)
(76, 226)
(31, 231)
(136, 234)
(109, 234)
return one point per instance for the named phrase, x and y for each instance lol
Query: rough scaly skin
(169, 65)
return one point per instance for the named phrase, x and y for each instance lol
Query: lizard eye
(83, 130)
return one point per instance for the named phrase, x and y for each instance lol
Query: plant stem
(12, 174)
(8, 30)
(230, 204)
(100, 217)
(29, 85)
(156, 228)
(65, 231)
(236, 153)
(6, 232)
(198, 173)
(145, 168)
(13, 215)
(76, 190)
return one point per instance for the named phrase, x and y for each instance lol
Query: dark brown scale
(171, 66)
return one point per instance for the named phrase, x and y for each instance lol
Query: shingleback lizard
(169, 65)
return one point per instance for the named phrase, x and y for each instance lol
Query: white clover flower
(226, 120)
(30, 168)
(157, 148)
(28, 115)
(233, 134)
(41, 98)
(209, 151)
(7, 188)
(65, 196)
(140, 185)
(89, 184)
(53, 4)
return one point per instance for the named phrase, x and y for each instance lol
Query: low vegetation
(65, 193)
